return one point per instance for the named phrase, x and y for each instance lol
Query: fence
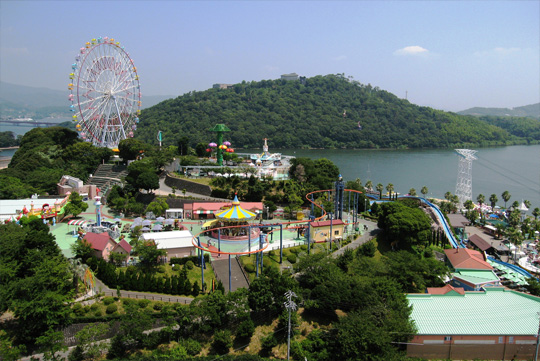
(151, 297)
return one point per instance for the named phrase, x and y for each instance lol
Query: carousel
(232, 223)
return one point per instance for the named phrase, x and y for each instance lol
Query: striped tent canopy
(77, 222)
(235, 212)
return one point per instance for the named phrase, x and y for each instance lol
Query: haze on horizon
(443, 54)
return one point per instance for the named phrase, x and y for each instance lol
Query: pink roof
(98, 241)
(335, 222)
(466, 259)
(444, 290)
(125, 245)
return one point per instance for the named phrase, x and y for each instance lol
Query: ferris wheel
(105, 93)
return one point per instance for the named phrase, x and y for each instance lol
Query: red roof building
(463, 258)
(103, 245)
(448, 289)
(320, 230)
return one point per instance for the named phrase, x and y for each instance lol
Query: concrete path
(221, 270)
(366, 236)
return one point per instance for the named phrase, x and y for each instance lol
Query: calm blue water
(515, 169)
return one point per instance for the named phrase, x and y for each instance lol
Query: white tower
(464, 178)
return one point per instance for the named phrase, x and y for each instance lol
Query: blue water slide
(446, 227)
(514, 268)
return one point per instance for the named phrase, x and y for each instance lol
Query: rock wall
(190, 187)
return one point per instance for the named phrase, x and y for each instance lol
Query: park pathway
(371, 232)
(221, 270)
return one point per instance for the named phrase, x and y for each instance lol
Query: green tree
(412, 192)
(481, 199)
(131, 148)
(536, 213)
(158, 207)
(51, 343)
(424, 191)
(493, 200)
(506, 197)
(35, 277)
(369, 185)
(183, 146)
(76, 205)
(149, 254)
(222, 342)
(379, 189)
(88, 340)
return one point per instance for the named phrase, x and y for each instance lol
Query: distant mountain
(329, 111)
(25, 101)
(532, 110)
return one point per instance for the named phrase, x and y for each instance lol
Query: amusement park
(187, 232)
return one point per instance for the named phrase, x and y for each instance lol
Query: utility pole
(289, 305)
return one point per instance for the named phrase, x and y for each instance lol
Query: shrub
(158, 306)
(222, 342)
(143, 303)
(286, 252)
(78, 309)
(86, 309)
(108, 300)
(94, 307)
(295, 250)
(250, 268)
(272, 253)
(245, 329)
(161, 269)
(192, 347)
(268, 342)
(111, 308)
(303, 247)
(128, 301)
(176, 268)
(267, 262)
(98, 313)
(291, 258)
(190, 265)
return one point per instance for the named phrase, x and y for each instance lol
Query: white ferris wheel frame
(105, 93)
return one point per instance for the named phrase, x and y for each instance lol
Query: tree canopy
(329, 111)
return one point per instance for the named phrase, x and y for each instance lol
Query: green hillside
(531, 111)
(319, 112)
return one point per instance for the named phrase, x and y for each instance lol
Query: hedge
(194, 259)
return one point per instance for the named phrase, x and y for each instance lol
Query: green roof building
(493, 324)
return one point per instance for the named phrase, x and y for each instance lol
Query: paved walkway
(367, 236)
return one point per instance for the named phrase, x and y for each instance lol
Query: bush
(291, 258)
(111, 308)
(192, 347)
(128, 301)
(98, 313)
(176, 268)
(245, 329)
(367, 249)
(272, 253)
(190, 265)
(250, 268)
(222, 342)
(94, 307)
(267, 262)
(158, 306)
(78, 309)
(268, 342)
(143, 303)
(161, 269)
(295, 250)
(108, 300)
(303, 247)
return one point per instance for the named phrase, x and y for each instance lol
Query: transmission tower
(464, 178)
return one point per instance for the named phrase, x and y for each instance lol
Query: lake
(515, 169)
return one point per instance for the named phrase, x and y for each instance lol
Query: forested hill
(321, 112)
(531, 111)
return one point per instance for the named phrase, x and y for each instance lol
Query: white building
(176, 243)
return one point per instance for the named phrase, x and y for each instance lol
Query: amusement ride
(105, 93)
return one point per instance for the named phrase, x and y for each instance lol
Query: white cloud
(411, 50)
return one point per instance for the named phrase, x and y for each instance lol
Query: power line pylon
(464, 178)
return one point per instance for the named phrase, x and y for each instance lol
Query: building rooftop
(476, 276)
(496, 311)
(479, 242)
(463, 258)
(335, 222)
(171, 239)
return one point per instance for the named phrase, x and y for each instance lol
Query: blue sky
(449, 55)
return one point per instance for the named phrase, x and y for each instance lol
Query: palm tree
(506, 197)
(515, 205)
(536, 213)
(379, 188)
(390, 189)
(424, 191)
(469, 204)
(480, 199)
(412, 192)
(493, 199)
(527, 203)
(516, 238)
(448, 196)
(369, 185)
